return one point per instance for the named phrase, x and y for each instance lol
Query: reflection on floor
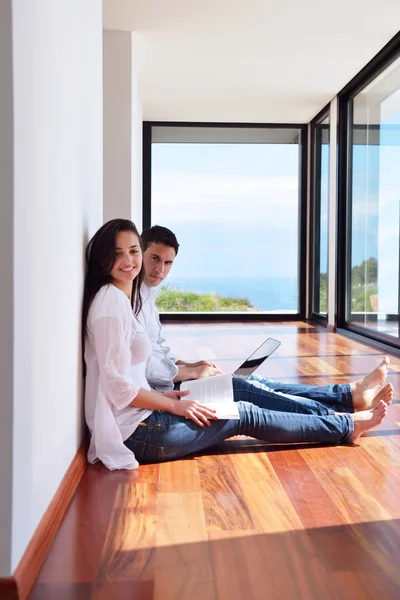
(244, 520)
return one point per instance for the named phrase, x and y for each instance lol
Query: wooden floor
(247, 521)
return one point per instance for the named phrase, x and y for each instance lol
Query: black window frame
(302, 283)
(315, 213)
(373, 69)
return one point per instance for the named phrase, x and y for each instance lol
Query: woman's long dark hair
(100, 259)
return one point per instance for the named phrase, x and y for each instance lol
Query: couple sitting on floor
(132, 410)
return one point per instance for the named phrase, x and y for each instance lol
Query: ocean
(269, 293)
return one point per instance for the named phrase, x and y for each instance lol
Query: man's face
(157, 262)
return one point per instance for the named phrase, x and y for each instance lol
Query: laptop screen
(257, 358)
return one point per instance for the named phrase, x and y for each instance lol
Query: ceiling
(254, 61)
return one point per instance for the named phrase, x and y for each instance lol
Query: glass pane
(375, 213)
(321, 197)
(234, 208)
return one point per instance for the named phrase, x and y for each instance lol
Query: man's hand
(199, 363)
(197, 412)
(199, 372)
(202, 371)
(175, 394)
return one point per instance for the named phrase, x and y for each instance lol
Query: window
(320, 217)
(232, 197)
(373, 264)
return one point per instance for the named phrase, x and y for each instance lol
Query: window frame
(315, 213)
(345, 142)
(302, 224)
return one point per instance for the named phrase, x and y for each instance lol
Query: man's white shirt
(160, 368)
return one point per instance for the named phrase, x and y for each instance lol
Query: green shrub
(170, 300)
(361, 297)
(361, 291)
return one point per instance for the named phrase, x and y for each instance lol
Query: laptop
(257, 358)
(217, 391)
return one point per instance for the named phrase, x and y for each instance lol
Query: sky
(233, 207)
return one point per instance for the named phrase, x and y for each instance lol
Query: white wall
(137, 147)
(6, 287)
(122, 126)
(57, 48)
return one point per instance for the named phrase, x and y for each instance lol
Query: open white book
(215, 392)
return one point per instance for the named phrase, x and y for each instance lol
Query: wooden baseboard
(8, 588)
(32, 560)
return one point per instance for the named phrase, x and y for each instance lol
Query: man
(163, 370)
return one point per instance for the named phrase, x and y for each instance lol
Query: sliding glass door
(372, 294)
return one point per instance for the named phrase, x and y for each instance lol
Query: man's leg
(362, 394)
(337, 397)
(306, 399)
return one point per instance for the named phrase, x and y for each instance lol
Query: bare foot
(366, 389)
(368, 419)
(386, 394)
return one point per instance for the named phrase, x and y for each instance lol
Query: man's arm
(186, 370)
(162, 369)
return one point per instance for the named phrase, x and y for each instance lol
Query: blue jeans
(337, 396)
(265, 414)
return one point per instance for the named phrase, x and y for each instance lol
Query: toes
(380, 407)
(388, 393)
(385, 363)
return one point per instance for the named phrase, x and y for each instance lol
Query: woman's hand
(197, 412)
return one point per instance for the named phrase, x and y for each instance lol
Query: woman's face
(128, 261)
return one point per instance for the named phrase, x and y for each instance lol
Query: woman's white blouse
(116, 352)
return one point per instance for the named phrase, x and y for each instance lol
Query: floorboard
(244, 520)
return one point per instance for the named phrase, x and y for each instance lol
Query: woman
(129, 422)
